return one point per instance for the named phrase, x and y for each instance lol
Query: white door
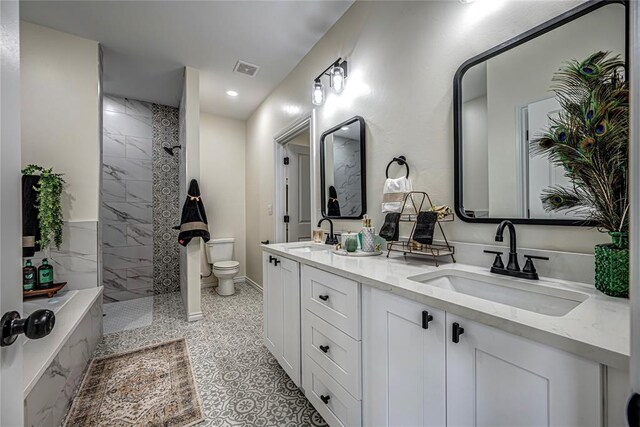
(403, 363)
(11, 384)
(543, 174)
(272, 305)
(298, 194)
(497, 379)
(290, 276)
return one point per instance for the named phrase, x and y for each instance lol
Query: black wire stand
(411, 206)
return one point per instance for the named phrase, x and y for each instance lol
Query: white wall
(400, 81)
(60, 113)
(523, 75)
(222, 182)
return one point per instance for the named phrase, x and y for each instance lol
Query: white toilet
(220, 256)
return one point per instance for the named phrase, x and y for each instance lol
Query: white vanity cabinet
(414, 374)
(403, 363)
(281, 312)
(496, 378)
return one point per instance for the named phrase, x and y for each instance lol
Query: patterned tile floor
(127, 315)
(239, 382)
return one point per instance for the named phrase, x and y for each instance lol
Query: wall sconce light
(317, 95)
(337, 73)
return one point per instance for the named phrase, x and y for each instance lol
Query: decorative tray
(48, 292)
(357, 253)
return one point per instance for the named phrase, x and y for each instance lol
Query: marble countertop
(38, 354)
(598, 329)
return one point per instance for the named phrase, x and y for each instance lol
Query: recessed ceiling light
(344, 128)
(232, 93)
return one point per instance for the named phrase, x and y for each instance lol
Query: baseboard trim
(195, 316)
(252, 283)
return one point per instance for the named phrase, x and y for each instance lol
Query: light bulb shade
(317, 94)
(337, 78)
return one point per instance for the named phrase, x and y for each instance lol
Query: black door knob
(38, 325)
(276, 261)
(271, 258)
(323, 297)
(324, 348)
(325, 399)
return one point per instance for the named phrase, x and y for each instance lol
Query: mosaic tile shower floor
(240, 383)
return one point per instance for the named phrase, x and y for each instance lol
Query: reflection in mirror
(506, 102)
(342, 170)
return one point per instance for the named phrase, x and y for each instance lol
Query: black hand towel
(30, 224)
(390, 230)
(194, 220)
(425, 226)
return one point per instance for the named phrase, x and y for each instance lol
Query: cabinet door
(272, 306)
(498, 379)
(290, 277)
(403, 363)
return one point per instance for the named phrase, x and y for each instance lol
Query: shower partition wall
(127, 230)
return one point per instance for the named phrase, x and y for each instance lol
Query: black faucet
(513, 268)
(512, 265)
(331, 238)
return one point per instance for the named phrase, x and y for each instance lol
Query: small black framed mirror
(343, 170)
(502, 101)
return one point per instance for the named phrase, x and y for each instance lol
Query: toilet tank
(219, 250)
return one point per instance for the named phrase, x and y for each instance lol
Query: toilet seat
(225, 265)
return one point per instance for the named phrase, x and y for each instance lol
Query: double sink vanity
(398, 342)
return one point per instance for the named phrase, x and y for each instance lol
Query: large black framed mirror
(502, 100)
(343, 170)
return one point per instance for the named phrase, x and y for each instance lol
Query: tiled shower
(139, 199)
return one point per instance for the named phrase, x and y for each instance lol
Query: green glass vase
(612, 266)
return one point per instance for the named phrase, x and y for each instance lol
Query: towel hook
(402, 161)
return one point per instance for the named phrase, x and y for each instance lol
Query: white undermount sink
(310, 248)
(534, 296)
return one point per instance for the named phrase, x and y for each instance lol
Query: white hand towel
(394, 193)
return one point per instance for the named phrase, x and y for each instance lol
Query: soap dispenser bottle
(45, 275)
(29, 276)
(368, 234)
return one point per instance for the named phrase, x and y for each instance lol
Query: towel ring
(402, 161)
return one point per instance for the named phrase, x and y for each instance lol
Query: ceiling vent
(247, 69)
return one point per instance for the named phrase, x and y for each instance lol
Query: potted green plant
(48, 200)
(590, 140)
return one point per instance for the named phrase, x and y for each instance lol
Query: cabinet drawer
(338, 408)
(333, 298)
(336, 352)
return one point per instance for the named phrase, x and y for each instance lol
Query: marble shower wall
(166, 201)
(76, 262)
(347, 175)
(127, 197)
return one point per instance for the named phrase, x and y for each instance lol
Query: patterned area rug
(152, 386)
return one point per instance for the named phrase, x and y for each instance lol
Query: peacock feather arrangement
(589, 139)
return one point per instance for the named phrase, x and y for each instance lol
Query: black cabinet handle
(276, 261)
(324, 348)
(456, 330)
(271, 259)
(325, 399)
(265, 242)
(323, 297)
(426, 318)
